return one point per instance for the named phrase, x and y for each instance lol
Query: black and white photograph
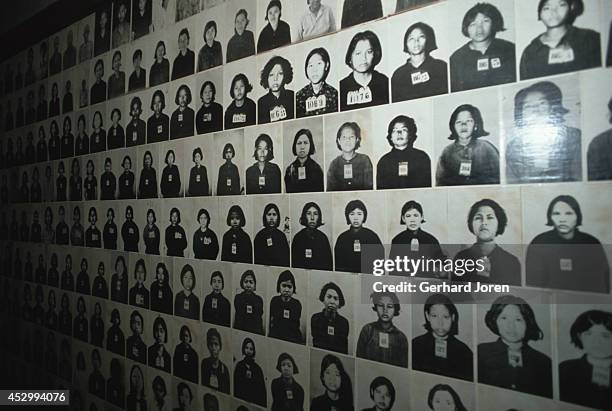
(136, 64)
(250, 373)
(185, 357)
(433, 393)
(171, 158)
(217, 292)
(289, 389)
(181, 41)
(142, 18)
(150, 169)
(209, 102)
(271, 242)
(101, 30)
(249, 299)
(157, 103)
(238, 82)
(182, 119)
(288, 305)
(263, 176)
(217, 358)
(304, 156)
(597, 129)
(241, 41)
(159, 71)
(175, 239)
(332, 381)
(211, 35)
(312, 228)
(277, 98)
(122, 32)
(380, 388)
(273, 25)
(187, 290)
(228, 158)
(355, 12)
(236, 242)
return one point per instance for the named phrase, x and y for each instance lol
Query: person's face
(140, 274)
(101, 270)
(214, 347)
(597, 342)
(234, 220)
(76, 216)
(286, 368)
(564, 218)
(170, 158)
(135, 111)
(302, 146)
(331, 300)
(159, 391)
(443, 401)
(272, 218)
(276, 78)
(107, 166)
(128, 213)
(103, 21)
(127, 164)
(348, 140)
(331, 378)
(484, 224)
(99, 71)
(314, 4)
(188, 281)
(440, 319)
(136, 380)
(184, 398)
(464, 125)
(554, 13)
(141, 4)
(381, 397)
(157, 104)
(249, 350)
(385, 309)
(536, 108)
(183, 42)
(147, 160)
(186, 336)
(207, 94)
(400, 136)
(210, 35)
(356, 218)
(315, 70)
(228, 154)
(480, 28)
(248, 284)
(240, 23)
(182, 98)
(239, 90)
(416, 42)
(274, 16)
(197, 158)
(160, 333)
(110, 216)
(93, 217)
(121, 13)
(68, 264)
(362, 57)
(160, 51)
(286, 288)
(217, 283)
(312, 217)
(174, 218)
(262, 151)
(137, 325)
(160, 275)
(511, 324)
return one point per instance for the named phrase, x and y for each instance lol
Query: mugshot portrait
(248, 302)
(158, 355)
(209, 117)
(205, 243)
(102, 30)
(170, 181)
(210, 52)
(186, 301)
(286, 320)
(331, 381)
(162, 294)
(242, 42)
(236, 245)
(141, 18)
(277, 102)
(139, 295)
(216, 308)
(121, 22)
(303, 172)
(276, 32)
(126, 179)
(185, 357)
(271, 243)
(147, 182)
(198, 180)
(432, 392)
(158, 123)
(378, 386)
(228, 158)
(288, 389)
(138, 76)
(264, 176)
(160, 68)
(175, 238)
(249, 379)
(241, 110)
(98, 84)
(182, 118)
(116, 131)
(116, 79)
(184, 60)
(597, 129)
(319, 94)
(312, 225)
(214, 372)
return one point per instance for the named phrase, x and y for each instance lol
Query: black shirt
(98, 92)
(249, 312)
(151, 238)
(236, 246)
(198, 181)
(161, 297)
(271, 109)
(90, 186)
(67, 146)
(270, 39)
(176, 241)
(187, 306)
(216, 309)
(205, 244)
(310, 249)
(108, 186)
(271, 247)
(135, 133)
(359, 11)
(303, 178)
(116, 137)
(408, 168)
(209, 119)
(138, 80)
(354, 96)
(183, 64)
(126, 186)
(240, 116)
(109, 235)
(429, 79)
(170, 181)
(160, 73)
(181, 123)
(147, 187)
(267, 181)
(450, 357)
(348, 250)
(98, 141)
(130, 235)
(158, 128)
(330, 333)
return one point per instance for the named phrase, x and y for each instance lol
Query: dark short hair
(160, 321)
(162, 99)
(159, 44)
(145, 156)
(211, 402)
(305, 209)
(136, 101)
(324, 56)
(374, 43)
(97, 113)
(332, 286)
(187, 91)
(137, 53)
(210, 24)
(552, 93)
(182, 387)
(228, 146)
(576, 8)
(197, 150)
(204, 211)
(168, 154)
(220, 275)
(246, 341)
(185, 32)
(115, 110)
(115, 54)
(248, 273)
(307, 133)
(444, 387)
(441, 299)
(285, 66)
(284, 356)
(380, 381)
(273, 3)
(479, 130)
(152, 212)
(353, 205)
(248, 87)
(500, 214)
(570, 201)
(411, 205)
(212, 88)
(487, 9)
(268, 140)
(159, 381)
(210, 334)
(185, 328)
(99, 62)
(286, 275)
(410, 125)
(356, 129)
(376, 296)
(267, 208)
(430, 36)
(585, 321)
(238, 210)
(532, 332)
(243, 12)
(133, 317)
(140, 263)
(124, 159)
(178, 214)
(164, 270)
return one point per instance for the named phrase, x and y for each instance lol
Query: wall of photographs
(186, 187)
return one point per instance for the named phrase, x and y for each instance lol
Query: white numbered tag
(496, 63)
(249, 309)
(186, 305)
(130, 230)
(414, 245)
(402, 169)
(214, 381)
(249, 374)
(308, 253)
(170, 177)
(262, 180)
(207, 117)
(127, 183)
(160, 294)
(419, 77)
(178, 236)
(560, 55)
(302, 173)
(361, 96)
(94, 237)
(315, 103)
(207, 241)
(180, 117)
(139, 299)
(134, 136)
(239, 118)
(234, 248)
(441, 348)
(356, 246)
(107, 183)
(159, 362)
(278, 113)
(116, 338)
(269, 241)
(515, 358)
(383, 340)
(330, 330)
(289, 394)
(214, 303)
(135, 351)
(482, 64)
(160, 129)
(565, 264)
(114, 132)
(151, 234)
(286, 314)
(198, 178)
(465, 169)
(228, 182)
(146, 181)
(185, 358)
(348, 171)
(111, 230)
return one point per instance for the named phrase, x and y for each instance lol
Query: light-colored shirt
(163, 18)
(311, 25)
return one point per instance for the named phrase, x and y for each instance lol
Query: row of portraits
(565, 232)
(338, 149)
(516, 358)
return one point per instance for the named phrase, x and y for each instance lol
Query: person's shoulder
(461, 52)
(585, 34)
(540, 359)
(504, 45)
(421, 340)
(420, 153)
(602, 141)
(378, 76)
(545, 238)
(585, 238)
(572, 367)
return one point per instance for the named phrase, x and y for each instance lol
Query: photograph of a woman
(277, 32)
(151, 234)
(242, 43)
(158, 355)
(175, 237)
(228, 182)
(205, 242)
(210, 55)
(563, 47)
(263, 177)
(286, 310)
(236, 244)
(248, 305)
(444, 397)
(338, 394)
(564, 257)
(287, 393)
(485, 60)
(278, 103)
(329, 328)
(185, 359)
(136, 349)
(216, 308)
(209, 117)
(304, 174)
(170, 183)
(422, 75)
(510, 362)
(215, 373)
(182, 119)
(317, 97)
(119, 282)
(350, 170)
(139, 295)
(184, 62)
(158, 124)
(249, 382)
(242, 110)
(160, 69)
(161, 293)
(186, 303)
(310, 247)
(270, 244)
